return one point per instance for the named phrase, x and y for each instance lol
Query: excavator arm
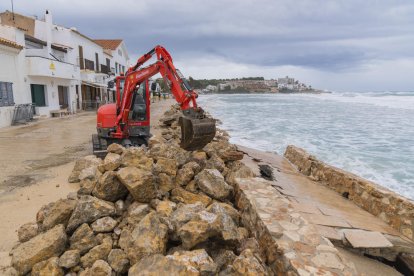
(196, 129)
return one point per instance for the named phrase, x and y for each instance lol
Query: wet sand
(36, 160)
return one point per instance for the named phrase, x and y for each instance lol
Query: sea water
(369, 134)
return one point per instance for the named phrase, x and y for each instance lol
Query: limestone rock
(87, 186)
(220, 207)
(83, 239)
(40, 248)
(120, 207)
(69, 259)
(228, 228)
(118, 260)
(184, 213)
(203, 226)
(136, 212)
(184, 175)
(248, 264)
(238, 170)
(158, 264)
(48, 267)
(181, 195)
(148, 237)
(165, 208)
(169, 151)
(105, 224)
(59, 212)
(99, 252)
(109, 188)
(89, 173)
(165, 165)
(112, 161)
(223, 258)
(196, 260)
(115, 148)
(231, 155)
(212, 183)
(139, 183)
(165, 182)
(81, 164)
(27, 231)
(215, 162)
(89, 209)
(101, 268)
(136, 157)
(200, 157)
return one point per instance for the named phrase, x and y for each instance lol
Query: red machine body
(127, 121)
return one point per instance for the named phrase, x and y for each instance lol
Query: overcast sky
(349, 45)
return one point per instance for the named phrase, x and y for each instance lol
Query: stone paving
(334, 218)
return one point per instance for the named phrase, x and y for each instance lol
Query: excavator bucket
(196, 133)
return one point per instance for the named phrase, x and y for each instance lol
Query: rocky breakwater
(152, 210)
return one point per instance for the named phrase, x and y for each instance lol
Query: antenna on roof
(12, 9)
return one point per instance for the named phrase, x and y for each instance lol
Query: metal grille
(23, 113)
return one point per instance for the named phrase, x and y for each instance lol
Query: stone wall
(392, 208)
(288, 243)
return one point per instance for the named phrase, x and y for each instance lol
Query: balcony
(47, 67)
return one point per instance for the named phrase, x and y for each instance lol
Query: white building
(61, 68)
(12, 56)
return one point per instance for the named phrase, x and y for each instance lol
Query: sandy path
(37, 163)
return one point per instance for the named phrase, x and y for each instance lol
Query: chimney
(49, 26)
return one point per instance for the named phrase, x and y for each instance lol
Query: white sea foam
(369, 134)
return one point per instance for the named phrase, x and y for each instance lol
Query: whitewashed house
(12, 77)
(62, 68)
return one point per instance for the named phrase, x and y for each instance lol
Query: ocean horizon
(370, 134)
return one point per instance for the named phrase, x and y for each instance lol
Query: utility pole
(12, 9)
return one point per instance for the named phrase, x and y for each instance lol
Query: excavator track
(196, 133)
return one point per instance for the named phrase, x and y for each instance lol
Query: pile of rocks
(146, 211)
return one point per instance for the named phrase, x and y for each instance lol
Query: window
(81, 62)
(38, 94)
(120, 52)
(6, 94)
(116, 67)
(97, 62)
(89, 64)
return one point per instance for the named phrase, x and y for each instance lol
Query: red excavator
(127, 122)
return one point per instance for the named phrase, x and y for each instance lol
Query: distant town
(251, 85)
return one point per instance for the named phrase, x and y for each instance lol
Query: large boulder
(118, 260)
(165, 182)
(136, 157)
(136, 212)
(100, 268)
(40, 248)
(27, 231)
(99, 252)
(215, 162)
(81, 164)
(115, 148)
(212, 183)
(83, 239)
(139, 182)
(48, 267)
(186, 173)
(112, 161)
(169, 151)
(69, 259)
(165, 208)
(89, 209)
(165, 165)
(158, 264)
(181, 195)
(197, 260)
(202, 227)
(109, 188)
(87, 186)
(184, 213)
(248, 264)
(149, 237)
(55, 213)
(229, 231)
(103, 225)
(237, 169)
